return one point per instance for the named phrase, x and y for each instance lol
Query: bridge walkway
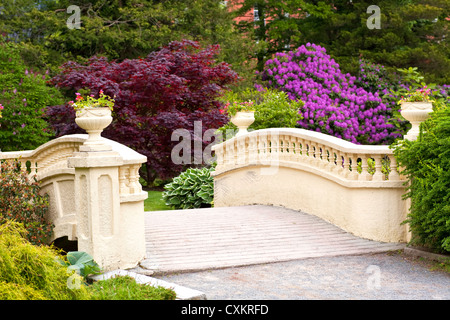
(214, 238)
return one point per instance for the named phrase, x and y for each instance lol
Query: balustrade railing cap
(128, 155)
(316, 137)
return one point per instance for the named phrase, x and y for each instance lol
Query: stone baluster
(252, 150)
(263, 146)
(345, 165)
(327, 163)
(289, 148)
(282, 147)
(241, 151)
(123, 185)
(304, 150)
(295, 149)
(231, 149)
(322, 156)
(315, 154)
(393, 174)
(134, 185)
(378, 175)
(274, 147)
(364, 176)
(229, 155)
(33, 166)
(340, 163)
(353, 162)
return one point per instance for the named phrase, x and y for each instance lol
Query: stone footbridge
(265, 182)
(200, 239)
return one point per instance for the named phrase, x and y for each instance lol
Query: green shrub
(24, 96)
(193, 188)
(273, 109)
(426, 162)
(126, 288)
(32, 272)
(20, 200)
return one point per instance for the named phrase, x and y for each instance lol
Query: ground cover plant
(29, 272)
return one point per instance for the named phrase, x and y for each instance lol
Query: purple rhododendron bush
(333, 103)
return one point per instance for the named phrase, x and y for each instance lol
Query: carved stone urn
(242, 120)
(94, 121)
(415, 113)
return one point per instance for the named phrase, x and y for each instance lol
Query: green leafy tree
(412, 32)
(275, 26)
(120, 29)
(24, 96)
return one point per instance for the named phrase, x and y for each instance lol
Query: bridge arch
(355, 187)
(104, 214)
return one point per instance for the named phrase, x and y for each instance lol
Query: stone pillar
(109, 231)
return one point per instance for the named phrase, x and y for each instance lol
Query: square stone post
(114, 238)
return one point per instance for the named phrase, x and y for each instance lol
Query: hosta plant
(193, 188)
(82, 263)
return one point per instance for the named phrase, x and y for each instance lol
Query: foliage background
(426, 163)
(24, 95)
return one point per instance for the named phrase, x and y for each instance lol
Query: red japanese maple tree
(167, 90)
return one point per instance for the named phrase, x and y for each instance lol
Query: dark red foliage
(167, 90)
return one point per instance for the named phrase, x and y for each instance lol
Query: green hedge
(426, 162)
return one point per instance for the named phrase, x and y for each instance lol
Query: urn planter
(94, 121)
(243, 119)
(415, 113)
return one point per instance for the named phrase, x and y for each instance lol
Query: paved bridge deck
(201, 239)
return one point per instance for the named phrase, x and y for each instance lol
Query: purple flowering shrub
(393, 86)
(333, 102)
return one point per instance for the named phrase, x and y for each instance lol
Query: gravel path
(382, 276)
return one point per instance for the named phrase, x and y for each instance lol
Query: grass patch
(126, 288)
(155, 202)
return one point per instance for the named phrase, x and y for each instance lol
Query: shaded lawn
(154, 202)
